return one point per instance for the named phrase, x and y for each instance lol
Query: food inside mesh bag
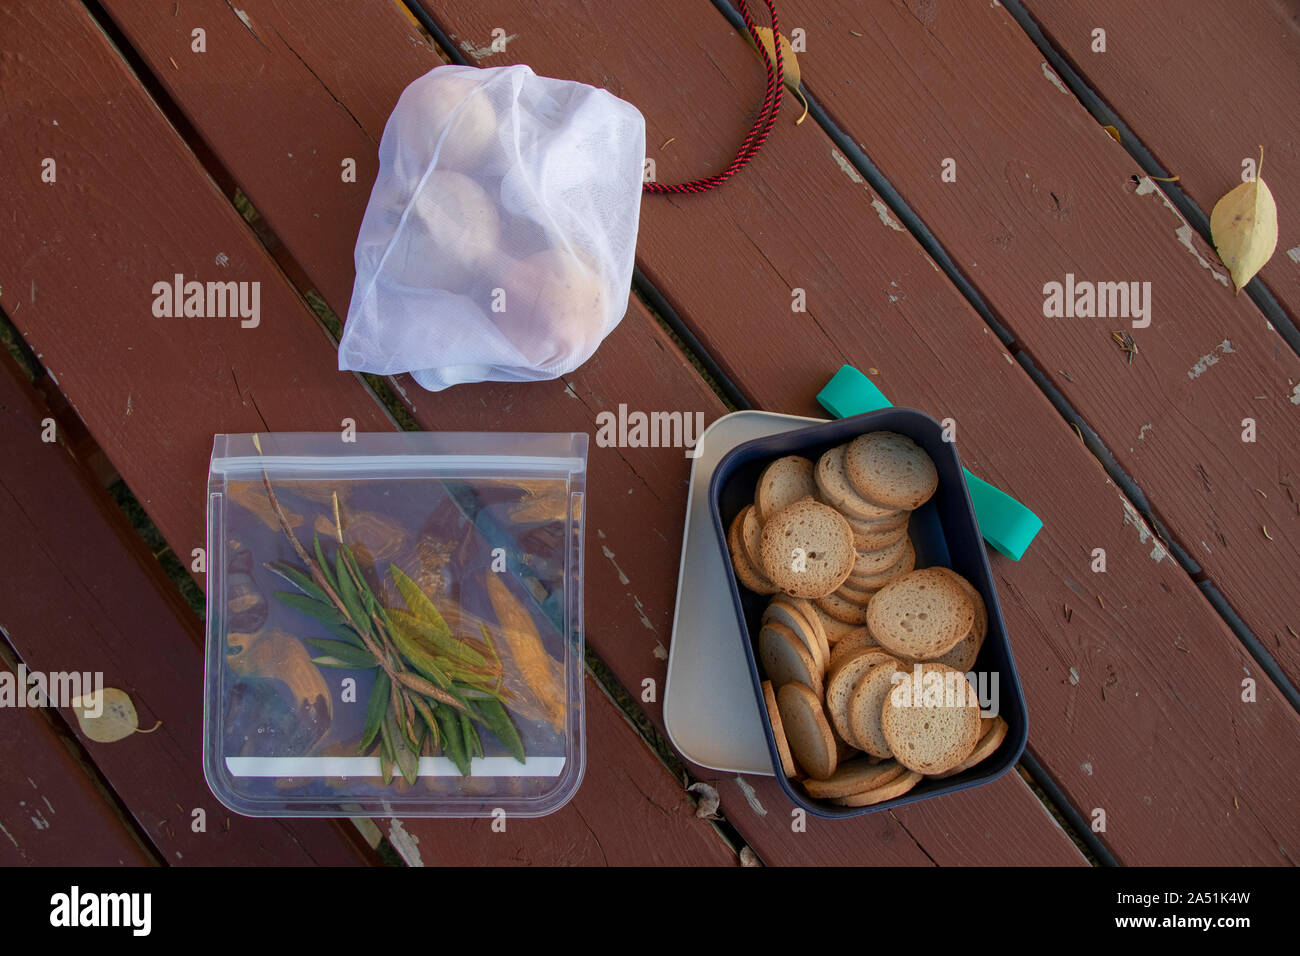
(499, 238)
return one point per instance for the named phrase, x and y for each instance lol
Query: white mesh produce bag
(500, 234)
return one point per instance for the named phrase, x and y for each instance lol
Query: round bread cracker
(961, 656)
(807, 549)
(934, 725)
(854, 776)
(852, 666)
(852, 642)
(895, 521)
(782, 483)
(805, 607)
(904, 565)
(843, 749)
(834, 628)
(851, 594)
(840, 685)
(834, 488)
(981, 624)
(964, 653)
(866, 705)
(807, 730)
(988, 743)
(843, 610)
(886, 791)
(920, 615)
(874, 541)
(751, 579)
(750, 530)
(778, 731)
(778, 610)
(872, 561)
(785, 657)
(749, 576)
(890, 470)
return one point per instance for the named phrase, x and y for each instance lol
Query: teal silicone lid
(1004, 522)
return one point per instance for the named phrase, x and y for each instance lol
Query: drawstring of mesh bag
(758, 133)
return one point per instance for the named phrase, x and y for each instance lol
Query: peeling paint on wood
(405, 843)
(751, 796)
(1208, 359)
(1132, 517)
(1054, 79)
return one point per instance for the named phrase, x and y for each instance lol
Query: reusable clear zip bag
(394, 624)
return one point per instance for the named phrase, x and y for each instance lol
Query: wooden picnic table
(1162, 692)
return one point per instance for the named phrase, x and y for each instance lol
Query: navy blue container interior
(944, 532)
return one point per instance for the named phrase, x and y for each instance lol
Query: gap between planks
(1210, 619)
(10, 659)
(732, 396)
(219, 174)
(1077, 84)
(393, 399)
(1128, 486)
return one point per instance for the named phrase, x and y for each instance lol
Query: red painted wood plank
(636, 522)
(51, 812)
(645, 804)
(1203, 85)
(796, 219)
(82, 593)
(154, 391)
(1041, 193)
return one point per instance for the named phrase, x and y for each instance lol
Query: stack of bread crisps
(864, 655)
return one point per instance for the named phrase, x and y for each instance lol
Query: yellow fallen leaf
(281, 656)
(409, 15)
(1243, 225)
(108, 716)
(789, 62)
(251, 495)
(789, 66)
(1114, 133)
(542, 674)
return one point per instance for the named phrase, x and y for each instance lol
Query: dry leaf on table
(543, 675)
(252, 496)
(707, 802)
(108, 716)
(280, 656)
(789, 65)
(1244, 227)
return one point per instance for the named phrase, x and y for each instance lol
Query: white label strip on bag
(369, 767)
(455, 465)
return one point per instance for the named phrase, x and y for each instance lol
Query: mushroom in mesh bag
(499, 238)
